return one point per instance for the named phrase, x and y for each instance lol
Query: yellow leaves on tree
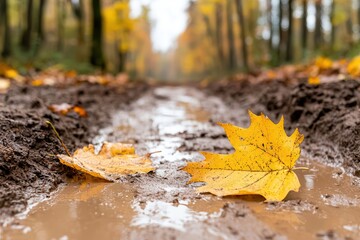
(207, 7)
(194, 43)
(118, 24)
(144, 59)
(112, 162)
(262, 163)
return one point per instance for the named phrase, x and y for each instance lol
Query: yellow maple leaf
(262, 163)
(113, 161)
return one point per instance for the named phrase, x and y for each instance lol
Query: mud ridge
(328, 114)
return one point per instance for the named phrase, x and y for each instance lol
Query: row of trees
(30, 23)
(101, 33)
(221, 35)
(228, 35)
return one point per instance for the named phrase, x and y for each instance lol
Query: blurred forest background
(221, 36)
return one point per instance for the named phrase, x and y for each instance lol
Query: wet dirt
(327, 114)
(29, 170)
(179, 121)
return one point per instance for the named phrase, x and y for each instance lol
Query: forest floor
(42, 199)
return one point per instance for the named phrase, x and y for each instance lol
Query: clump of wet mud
(328, 114)
(29, 169)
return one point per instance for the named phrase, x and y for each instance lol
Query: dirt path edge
(29, 169)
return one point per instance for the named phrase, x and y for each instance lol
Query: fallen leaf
(112, 162)
(323, 63)
(7, 71)
(65, 108)
(43, 80)
(314, 80)
(80, 111)
(262, 163)
(353, 67)
(271, 74)
(70, 74)
(4, 85)
(62, 108)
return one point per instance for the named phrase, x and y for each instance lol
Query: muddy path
(179, 121)
(29, 169)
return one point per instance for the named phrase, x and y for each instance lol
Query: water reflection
(309, 181)
(163, 214)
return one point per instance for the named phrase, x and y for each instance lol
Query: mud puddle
(178, 122)
(326, 205)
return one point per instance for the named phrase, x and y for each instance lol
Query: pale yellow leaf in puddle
(262, 163)
(112, 162)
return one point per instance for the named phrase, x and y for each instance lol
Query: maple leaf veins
(262, 163)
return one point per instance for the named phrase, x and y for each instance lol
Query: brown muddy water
(179, 121)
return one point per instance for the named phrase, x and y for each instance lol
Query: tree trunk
(289, 50)
(61, 19)
(240, 13)
(81, 28)
(210, 34)
(1, 13)
(209, 31)
(122, 61)
(219, 36)
(304, 30)
(318, 25)
(40, 27)
(78, 10)
(333, 28)
(279, 49)
(96, 57)
(230, 35)
(358, 15)
(21, 16)
(349, 24)
(270, 25)
(6, 51)
(25, 42)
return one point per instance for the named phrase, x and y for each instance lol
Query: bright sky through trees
(169, 18)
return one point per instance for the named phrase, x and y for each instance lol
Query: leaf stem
(59, 138)
(149, 154)
(300, 168)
